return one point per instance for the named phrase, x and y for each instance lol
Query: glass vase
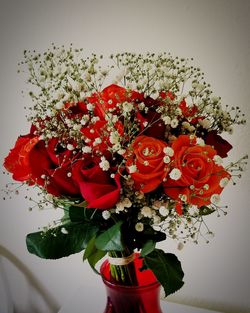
(143, 298)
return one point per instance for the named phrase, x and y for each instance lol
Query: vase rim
(127, 287)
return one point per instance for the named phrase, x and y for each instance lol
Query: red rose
(110, 97)
(17, 161)
(51, 168)
(147, 155)
(220, 145)
(169, 94)
(72, 109)
(97, 135)
(198, 176)
(48, 166)
(96, 186)
(187, 111)
(150, 122)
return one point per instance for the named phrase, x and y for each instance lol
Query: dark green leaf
(167, 269)
(204, 210)
(76, 214)
(55, 244)
(93, 254)
(147, 248)
(95, 257)
(90, 248)
(65, 217)
(148, 234)
(110, 239)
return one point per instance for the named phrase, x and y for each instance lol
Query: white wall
(216, 34)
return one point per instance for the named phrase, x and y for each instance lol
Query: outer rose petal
(17, 162)
(169, 94)
(58, 157)
(114, 93)
(221, 145)
(94, 131)
(101, 196)
(96, 186)
(178, 207)
(59, 182)
(75, 108)
(186, 110)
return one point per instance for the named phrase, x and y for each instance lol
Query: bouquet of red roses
(130, 164)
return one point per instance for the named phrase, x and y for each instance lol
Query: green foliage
(92, 254)
(110, 240)
(82, 229)
(141, 238)
(61, 241)
(148, 247)
(167, 269)
(76, 214)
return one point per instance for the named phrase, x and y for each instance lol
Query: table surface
(91, 300)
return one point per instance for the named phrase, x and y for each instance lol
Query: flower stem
(123, 274)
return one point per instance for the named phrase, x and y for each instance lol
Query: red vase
(143, 298)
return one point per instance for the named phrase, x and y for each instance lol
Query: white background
(216, 34)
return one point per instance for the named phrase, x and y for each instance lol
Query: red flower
(110, 97)
(158, 128)
(147, 155)
(94, 130)
(200, 175)
(169, 94)
(220, 145)
(72, 108)
(30, 160)
(187, 111)
(179, 207)
(150, 122)
(17, 161)
(51, 168)
(96, 186)
(98, 135)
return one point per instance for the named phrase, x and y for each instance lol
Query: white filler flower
(175, 174)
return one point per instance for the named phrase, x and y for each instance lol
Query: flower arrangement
(131, 162)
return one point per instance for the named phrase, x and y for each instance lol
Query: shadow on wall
(34, 289)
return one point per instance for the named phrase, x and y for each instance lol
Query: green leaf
(55, 243)
(151, 234)
(205, 210)
(141, 238)
(65, 218)
(147, 248)
(90, 248)
(110, 239)
(76, 214)
(167, 269)
(95, 257)
(92, 254)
